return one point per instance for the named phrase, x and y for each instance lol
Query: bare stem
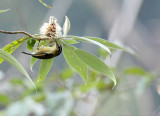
(25, 33)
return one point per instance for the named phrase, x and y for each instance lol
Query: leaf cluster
(78, 59)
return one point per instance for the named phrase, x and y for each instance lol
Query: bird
(46, 52)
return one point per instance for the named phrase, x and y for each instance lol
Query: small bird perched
(46, 52)
(51, 30)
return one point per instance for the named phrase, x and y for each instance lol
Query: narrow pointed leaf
(44, 69)
(102, 41)
(10, 59)
(66, 26)
(10, 48)
(91, 41)
(48, 6)
(70, 41)
(135, 71)
(94, 63)
(106, 43)
(1, 11)
(32, 62)
(138, 71)
(74, 61)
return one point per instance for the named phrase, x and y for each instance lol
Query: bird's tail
(26, 53)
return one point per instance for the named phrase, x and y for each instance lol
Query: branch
(25, 33)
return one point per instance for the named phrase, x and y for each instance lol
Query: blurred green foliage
(59, 92)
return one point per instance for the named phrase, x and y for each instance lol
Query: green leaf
(66, 26)
(102, 53)
(32, 62)
(135, 71)
(48, 6)
(93, 62)
(44, 69)
(106, 43)
(16, 81)
(10, 59)
(10, 48)
(91, 41)
(1, 11)
(74, 61)
(30, 43)
(44, 43)
(67, 73)
(4, 99)
(102, 41)
(70, 41)
(88, 86)
(100, 85)
(39, 97)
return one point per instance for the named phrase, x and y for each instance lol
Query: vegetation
(87, 86)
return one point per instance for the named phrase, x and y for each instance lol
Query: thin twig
(25, 33)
